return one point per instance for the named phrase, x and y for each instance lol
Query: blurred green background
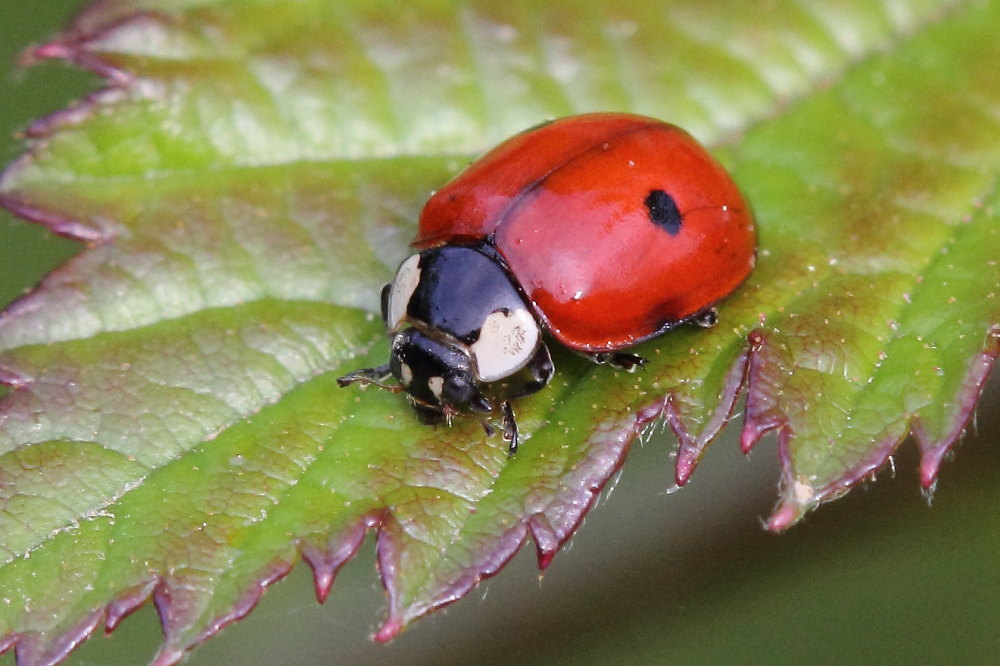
(687, 577)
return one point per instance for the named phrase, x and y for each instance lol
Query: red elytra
(570, 207)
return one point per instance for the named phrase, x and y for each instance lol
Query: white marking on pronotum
(436, 385)
(506, 343)
(403, 286)
(405, 374)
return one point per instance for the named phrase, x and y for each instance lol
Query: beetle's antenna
(366, 376)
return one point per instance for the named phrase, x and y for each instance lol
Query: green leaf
(251, 176)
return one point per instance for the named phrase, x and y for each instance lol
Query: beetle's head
(435, 374)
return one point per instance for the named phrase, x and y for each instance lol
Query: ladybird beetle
(601, 230)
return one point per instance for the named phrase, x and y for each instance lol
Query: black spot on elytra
(663, 211)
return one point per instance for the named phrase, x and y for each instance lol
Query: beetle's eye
(384, 302)
(458, 389)
(402, 288)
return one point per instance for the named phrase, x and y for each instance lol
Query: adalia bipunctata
(600, 230)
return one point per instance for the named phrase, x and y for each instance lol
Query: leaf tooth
(932, 450)
(34, 649)
(167, 656)
(269, 575)
(126, 602)
(57, 222)
(692, 445)
(389, 629)
(796, 494)
(546, 537)
(327, 561)
(762, 412)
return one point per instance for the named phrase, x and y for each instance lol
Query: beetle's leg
(621, 360)
(540, 370)
(509, 428)
(481, 405)
(487, 427)
(365, 376)
(706, 318)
